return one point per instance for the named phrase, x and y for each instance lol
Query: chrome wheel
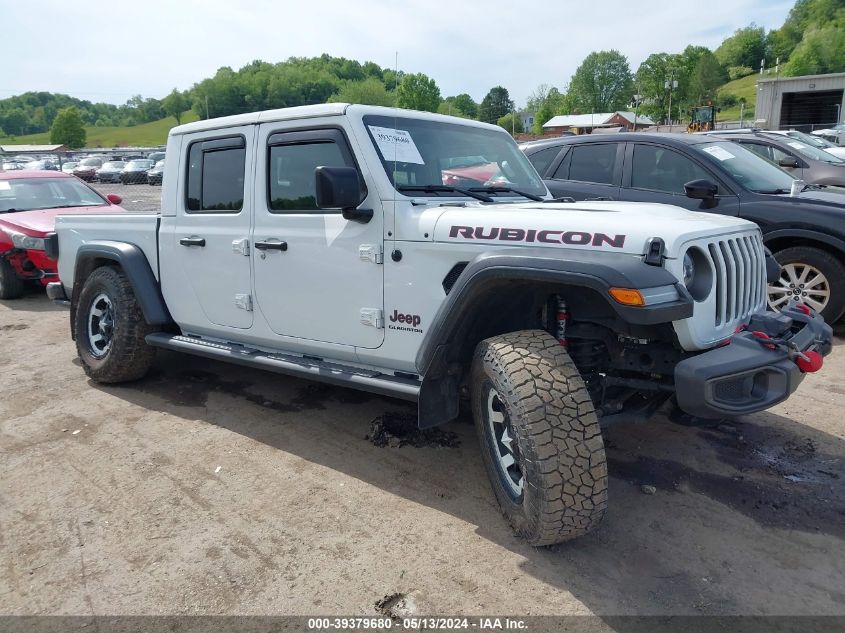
(100, 325)
(800, 282)
(504, 445)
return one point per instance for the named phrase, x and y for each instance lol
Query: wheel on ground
(812, 276)
(110, 329)
(11, 286)
(540, 437)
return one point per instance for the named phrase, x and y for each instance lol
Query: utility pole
(670, 84)
(636, 109)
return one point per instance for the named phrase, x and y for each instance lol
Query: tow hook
(808, 362)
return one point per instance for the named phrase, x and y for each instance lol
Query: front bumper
(750, 374)
(56, 292)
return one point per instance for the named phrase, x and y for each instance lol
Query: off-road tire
(129, 357)
(11, 286)
(829, 265)
(560, 449)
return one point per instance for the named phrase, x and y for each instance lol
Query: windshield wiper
(445, 188)
(494, 189)
(767, 191)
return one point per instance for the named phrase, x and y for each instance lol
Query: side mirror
(789, 162)
(340, 188)
(701, 189)
(114, 198)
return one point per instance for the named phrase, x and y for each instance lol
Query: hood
(620, 227)
(39, 222)
(830, 196)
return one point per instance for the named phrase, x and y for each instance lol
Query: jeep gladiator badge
(411, 319)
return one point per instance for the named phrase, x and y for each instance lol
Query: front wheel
(110, 329)
(540, 437)
(812, 276)
(11, 286)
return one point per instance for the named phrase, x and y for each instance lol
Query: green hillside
(743, 87)
(144, 135)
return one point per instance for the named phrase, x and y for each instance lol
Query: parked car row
(135, 171)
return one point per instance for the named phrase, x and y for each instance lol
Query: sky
(109, 51)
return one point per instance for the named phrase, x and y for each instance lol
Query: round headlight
(689, 270)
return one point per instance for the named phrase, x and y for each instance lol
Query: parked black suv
(806, 232)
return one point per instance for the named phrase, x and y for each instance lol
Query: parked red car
(87, 168)
(29, 204)
(473, 171)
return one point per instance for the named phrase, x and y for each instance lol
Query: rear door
(588, 171)
(207, 242)
(658, 173)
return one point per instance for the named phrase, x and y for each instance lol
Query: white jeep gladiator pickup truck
(419, 256)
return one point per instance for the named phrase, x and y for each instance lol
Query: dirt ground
(213, 489)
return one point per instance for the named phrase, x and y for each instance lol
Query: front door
(317, 276)
(212, 219)
(656, 173)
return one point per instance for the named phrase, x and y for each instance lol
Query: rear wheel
(11, 286)
(540, 437)
(812, 276)
(110, 329)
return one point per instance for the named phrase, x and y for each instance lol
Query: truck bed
(140, 229)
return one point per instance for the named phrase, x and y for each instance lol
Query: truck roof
(312, 111)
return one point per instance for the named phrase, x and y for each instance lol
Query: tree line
(811, 40)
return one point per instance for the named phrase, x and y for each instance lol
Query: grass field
(743, 87)
(144, 135)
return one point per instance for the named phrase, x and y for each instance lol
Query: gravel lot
(207, 488)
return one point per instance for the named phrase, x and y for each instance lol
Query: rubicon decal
(575, 238)
(411, 321)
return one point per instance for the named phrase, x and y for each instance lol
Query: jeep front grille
(740, 269)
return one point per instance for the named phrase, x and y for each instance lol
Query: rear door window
(590, 162)
(542, 159)
(215, 179)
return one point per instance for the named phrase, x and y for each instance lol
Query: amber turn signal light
(627, 296)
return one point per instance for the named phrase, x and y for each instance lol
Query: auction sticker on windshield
(5, 185)
(396, 145)
(718, 152)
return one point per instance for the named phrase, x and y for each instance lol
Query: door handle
(192, 241)
(271, 246)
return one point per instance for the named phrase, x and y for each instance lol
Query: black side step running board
(313, 369)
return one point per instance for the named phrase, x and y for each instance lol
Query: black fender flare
(134, 264)
(808, 234)
(491, 270)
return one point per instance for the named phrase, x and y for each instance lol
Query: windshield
(90, 162)
(160, 165)
(814, 153)
(26, 194)
(750, 170)
(417, 154)
(809, 139)
(114, 164)
(139, 164)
